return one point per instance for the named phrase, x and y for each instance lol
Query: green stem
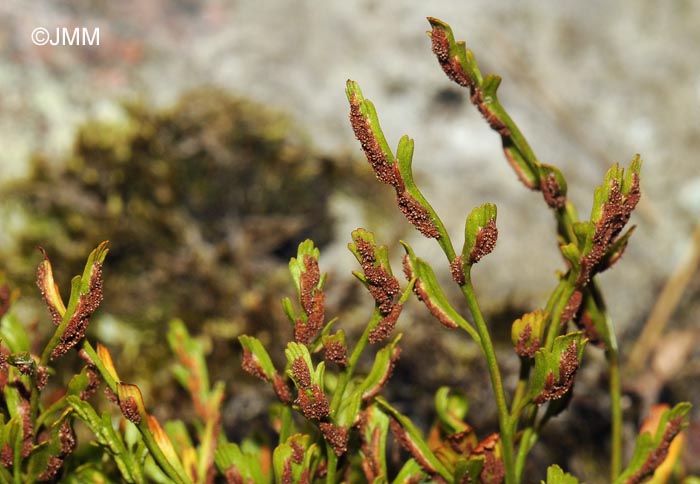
(521, 389)
(527, 441)
(615, 412)
(287, 426)
(612, 355)
(504, 420)
(560, 299)
(332, 464)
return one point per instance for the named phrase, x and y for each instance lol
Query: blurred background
(205, 139)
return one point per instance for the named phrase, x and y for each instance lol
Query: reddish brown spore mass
(301, 373)
(489, 115)
(233, 476)
(385, 172)
(388, 172)
(527, 345)
(572, 307)
(552, 192)
(336, 352)
(485, 241)
(130, 409)
(657, 456)
(405, 441)
(282, 390)
(372, 392)
(383, 287)
(297, 452)
(450, 65)
(554, 388)
(336, 436)
(585, 322)
(493, 471)
(314, 406)
(252, 366)
(417, 215)
(457, 270)
(422, 294)
(6, 455)
(87, 304)
(386, 325)
(615, 215)
(312, 302)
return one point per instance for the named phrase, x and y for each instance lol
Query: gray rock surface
(589, 83)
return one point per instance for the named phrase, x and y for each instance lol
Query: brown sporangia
(284, 394)
(252, 365)
(372, 392)
(417, 215)
(26, 368)
(335, 435)
(385, 172)
(6, 455)
(301, 373)
(389, 173)
(314, 406)
(233, 476)
(493, 471)
(93, 384)
(585, 322)
(78, 323)
(572, 307)
(336, 352)
(386, 325)
(457, 270)
(287, 477)
(477, 99)
(450, 64)
(66, 438)
(130, 409)
(309, 281)
(42, 377)
(297, 452)
(312, 302)
(485, 241)
(527, 346)
(111, 396)
(407, 443)
(423, 295)
(52, 467)
(552, 192)
(382, 285)
(4, 353)
(508, 148)
(455, 72)
(24, 410)
(615, 214)
(554, 388)
(461, 442)
(656, 456)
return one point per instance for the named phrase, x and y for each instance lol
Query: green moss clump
(197, 200)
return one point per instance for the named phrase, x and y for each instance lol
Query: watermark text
(66, 36)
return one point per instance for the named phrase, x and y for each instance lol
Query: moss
(194, 199)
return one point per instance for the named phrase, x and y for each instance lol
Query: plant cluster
(332, 425)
